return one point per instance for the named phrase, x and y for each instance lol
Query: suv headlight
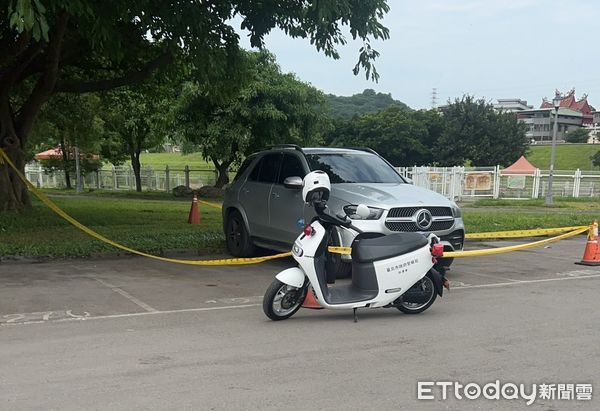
(375, 213)
(456, 213)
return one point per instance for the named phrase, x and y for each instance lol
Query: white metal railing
(457, 183)
(123, 178)
(463, 183)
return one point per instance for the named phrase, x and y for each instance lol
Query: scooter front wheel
(281, 300)
(425, 289)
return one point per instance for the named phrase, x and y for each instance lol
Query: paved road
(136, 334)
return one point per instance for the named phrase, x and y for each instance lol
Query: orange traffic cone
(591, 255)
(194, 217)
(310, 301)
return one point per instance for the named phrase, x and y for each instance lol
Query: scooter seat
(366, 250)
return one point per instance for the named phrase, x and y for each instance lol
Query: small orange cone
(310, 301)
(194, 217)
(591, 255)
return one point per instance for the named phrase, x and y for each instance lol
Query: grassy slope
(173, 160)
(568, 156)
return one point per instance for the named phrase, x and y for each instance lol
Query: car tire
(239, 243)
(335, 267)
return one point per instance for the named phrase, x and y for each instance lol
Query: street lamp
(556, 101)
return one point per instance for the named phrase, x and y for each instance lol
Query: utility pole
(434, 95)
(78, 170)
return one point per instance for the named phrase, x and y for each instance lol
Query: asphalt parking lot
(132, 333)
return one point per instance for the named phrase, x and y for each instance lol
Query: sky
(488, 48)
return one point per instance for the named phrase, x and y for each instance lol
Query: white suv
(263, 206)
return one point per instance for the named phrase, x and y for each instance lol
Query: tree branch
(45, 85)
(11, 75)
(132, 77)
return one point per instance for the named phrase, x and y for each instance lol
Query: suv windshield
(353, 168)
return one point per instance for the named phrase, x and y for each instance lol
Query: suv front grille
(411, 226)
(410, 211)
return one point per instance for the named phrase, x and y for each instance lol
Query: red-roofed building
(573, 114)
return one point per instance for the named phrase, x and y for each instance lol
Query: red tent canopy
(57, 153)
(48, 154)
(520, 167)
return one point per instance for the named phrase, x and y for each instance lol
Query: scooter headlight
(374, 213)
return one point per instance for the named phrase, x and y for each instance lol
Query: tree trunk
(13, 193)
(65, 161)
(137, 167)
(223, 173)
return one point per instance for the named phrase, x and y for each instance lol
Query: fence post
(130, 177)
(167, 179)
(97, 179)
(537, 175)
(576, 183)
(150, 178)
(114, 177)
(186, 170)
(496, 190)
(40, 179)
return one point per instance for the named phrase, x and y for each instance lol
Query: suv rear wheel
(237, 237)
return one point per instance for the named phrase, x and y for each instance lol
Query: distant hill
(368, 101)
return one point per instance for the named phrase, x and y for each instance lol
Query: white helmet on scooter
(316, 186)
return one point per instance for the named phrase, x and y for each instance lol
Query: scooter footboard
(403, 271)
(292, 276)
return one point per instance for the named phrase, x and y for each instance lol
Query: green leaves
(267, 108)
(29, 16)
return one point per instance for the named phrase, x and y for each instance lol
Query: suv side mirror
(294, 183)
(409, 180)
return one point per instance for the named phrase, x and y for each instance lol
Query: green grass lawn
(154, 226)
(173, 160)
(157, 223)
(568, 156)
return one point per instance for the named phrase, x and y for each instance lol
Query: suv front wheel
(237, 237)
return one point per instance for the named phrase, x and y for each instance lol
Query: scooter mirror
(362, 211)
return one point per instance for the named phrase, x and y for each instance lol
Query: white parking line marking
(125, 294)
(230, 307)
(543, 280)
(488, 275)
(102, 317)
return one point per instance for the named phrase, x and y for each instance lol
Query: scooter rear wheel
(426, 285)
(281, 301)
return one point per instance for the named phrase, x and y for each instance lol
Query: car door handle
(275, 195)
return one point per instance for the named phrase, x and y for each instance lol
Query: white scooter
(387, 271)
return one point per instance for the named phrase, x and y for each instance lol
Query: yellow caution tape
(571, 232)
(500, 250)
(213, 205)
(44, 199)
(491, 251)
(522, 233)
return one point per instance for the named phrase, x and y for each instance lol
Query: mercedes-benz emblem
(423, 219)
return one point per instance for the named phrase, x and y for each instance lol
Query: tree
(271, 108)
(53, 46)
(400, 135)
(579, 135)
(136, 120)
(473, 131)
(66, 122)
